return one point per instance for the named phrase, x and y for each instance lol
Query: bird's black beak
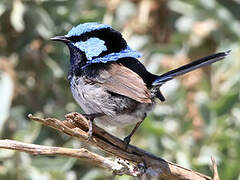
(60, 38)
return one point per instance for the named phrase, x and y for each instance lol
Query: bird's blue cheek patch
(92, 47)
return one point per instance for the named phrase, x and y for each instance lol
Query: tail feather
(189, 67)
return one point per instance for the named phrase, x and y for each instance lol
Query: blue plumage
(86, 27)
(128, 52)
(92, 47)
(108, 81)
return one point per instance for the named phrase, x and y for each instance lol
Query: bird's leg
(159, 95)
(127, 139)
(90, 118)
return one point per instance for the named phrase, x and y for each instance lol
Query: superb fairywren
(108, 81)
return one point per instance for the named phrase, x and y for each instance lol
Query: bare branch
(145, 165)
(117, 166)
(76, 126)
(215, 170)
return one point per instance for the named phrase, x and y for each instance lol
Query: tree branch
(144, 164)
(215, 170)
(117, 167)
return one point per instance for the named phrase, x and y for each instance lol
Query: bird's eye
(84, 37)
(78, 38)
(73, 38)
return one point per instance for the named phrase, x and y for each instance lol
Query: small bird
(109, 82)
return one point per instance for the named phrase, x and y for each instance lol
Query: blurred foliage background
(199, 119)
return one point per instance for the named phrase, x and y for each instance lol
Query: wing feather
(122, 80)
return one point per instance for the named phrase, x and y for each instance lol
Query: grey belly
(119, 110)
(124, 119)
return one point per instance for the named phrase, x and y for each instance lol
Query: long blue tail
(189, 67)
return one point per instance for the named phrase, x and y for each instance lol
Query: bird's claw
(127, 140)
(89, 135)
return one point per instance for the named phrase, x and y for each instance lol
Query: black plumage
(108, 81)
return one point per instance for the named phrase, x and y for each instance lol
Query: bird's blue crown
(100, 43)
(86, 27)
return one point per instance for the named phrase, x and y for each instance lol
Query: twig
(215, 170)
(76, 126)
(81, 153)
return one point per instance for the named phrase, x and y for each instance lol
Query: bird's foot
(90, 134)
(90, 118)
(127, 140)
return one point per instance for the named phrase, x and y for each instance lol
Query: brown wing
(122, 80)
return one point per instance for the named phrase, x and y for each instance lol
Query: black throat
(77, 61)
